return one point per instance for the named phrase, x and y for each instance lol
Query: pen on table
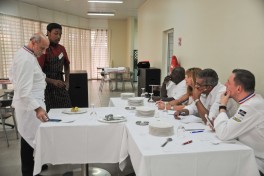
(197, 131)
(187, 142)
(194, 129)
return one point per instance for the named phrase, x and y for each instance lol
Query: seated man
(173, 86)
(247, 125)
(206, 95)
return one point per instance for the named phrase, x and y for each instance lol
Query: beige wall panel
(222, 35)
(118, 45)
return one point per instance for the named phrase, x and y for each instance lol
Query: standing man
(29, 85)
(247, 125)
(53, 62)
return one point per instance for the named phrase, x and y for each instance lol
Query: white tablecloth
(85, 140)
(199, 158)
(88, 141)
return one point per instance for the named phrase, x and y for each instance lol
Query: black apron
(55, 97)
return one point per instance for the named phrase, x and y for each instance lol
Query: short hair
(244, 78)
(36, 37)
(53, 26)
(209, 77)
(178, 74)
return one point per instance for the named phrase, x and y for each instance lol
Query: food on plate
(74, 109)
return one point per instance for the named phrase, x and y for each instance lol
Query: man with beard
(53, 63)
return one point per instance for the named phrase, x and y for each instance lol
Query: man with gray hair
(28, 101)
(206, 95)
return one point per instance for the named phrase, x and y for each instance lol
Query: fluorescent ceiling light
(101, 14)
(114, 2)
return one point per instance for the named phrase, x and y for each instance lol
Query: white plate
(68, 111)
(119, 119)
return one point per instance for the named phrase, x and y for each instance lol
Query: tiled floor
(10, 156)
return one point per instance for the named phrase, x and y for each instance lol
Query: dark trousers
(27, 159)
(261, 174)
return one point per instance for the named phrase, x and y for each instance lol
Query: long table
(202, 157)
(86, 140)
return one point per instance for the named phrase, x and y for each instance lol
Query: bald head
(38, 43)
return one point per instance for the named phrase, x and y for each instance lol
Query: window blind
(86, 49)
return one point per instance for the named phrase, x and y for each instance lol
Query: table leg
(85, 170)
(93, 171)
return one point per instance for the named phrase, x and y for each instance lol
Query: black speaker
(147, 77)
(78, 88)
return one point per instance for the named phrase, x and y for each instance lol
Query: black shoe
(131, 174)
(44, 167)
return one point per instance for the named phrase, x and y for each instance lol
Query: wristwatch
(222, 107)
(195, 101)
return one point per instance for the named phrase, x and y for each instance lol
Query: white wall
(222, 35)
(20, 9)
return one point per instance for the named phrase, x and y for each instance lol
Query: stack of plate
(127, 95)
(145, 111)
(161, 129)
(136, 101)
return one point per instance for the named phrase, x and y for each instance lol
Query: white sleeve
(214, 109)
(182, 89)
(192, 108)
(243, 121)
(169, 85)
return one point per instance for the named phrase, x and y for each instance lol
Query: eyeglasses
(198, 85)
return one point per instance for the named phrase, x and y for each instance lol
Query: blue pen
(197, 131)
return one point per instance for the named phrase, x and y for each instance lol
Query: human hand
(167, 79)
(161, 105)
(59, 83)
(196, 94)
(182, 112)
(168, 106)
(224, 98)
(41, 114)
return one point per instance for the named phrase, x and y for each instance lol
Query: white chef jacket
(29, 85)
(176, 90)
(212, 102)
(247, 125)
